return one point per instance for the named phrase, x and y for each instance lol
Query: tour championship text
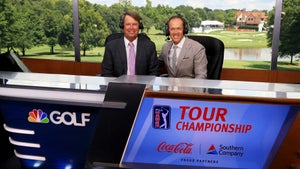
(208, 120)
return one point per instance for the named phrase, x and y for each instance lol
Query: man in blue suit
(116, 60)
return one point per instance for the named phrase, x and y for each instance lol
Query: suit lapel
(138, 56)
(184, 50)
(122, 54)
(168, 59)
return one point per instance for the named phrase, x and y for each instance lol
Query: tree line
(28, 23)
(289, 45)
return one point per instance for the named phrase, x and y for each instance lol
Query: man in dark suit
(183, 57)
(116, 60)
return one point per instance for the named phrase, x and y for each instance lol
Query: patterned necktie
(174, 59)
(131, 59)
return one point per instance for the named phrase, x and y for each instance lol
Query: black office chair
(215, 54)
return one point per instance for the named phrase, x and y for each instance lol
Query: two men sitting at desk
(134, 54)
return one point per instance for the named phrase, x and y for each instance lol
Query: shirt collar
(180, 44)
(127, 41)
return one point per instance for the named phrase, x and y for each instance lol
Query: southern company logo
(212, 150)
(161, 117)
(227, 150)
(38, 116)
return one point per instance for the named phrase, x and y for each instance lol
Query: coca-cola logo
(181, 148)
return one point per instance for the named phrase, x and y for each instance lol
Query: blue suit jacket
(114, 62)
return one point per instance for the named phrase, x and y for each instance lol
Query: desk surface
(157, 84)
(94, 88)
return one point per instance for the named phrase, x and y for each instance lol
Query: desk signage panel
(49, 135)
(207, 133)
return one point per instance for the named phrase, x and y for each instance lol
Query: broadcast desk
(67, 121)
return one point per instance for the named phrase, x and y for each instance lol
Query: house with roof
(244, 17)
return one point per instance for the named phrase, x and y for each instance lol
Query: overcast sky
(211, 4)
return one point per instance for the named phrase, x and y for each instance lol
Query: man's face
(131, 28)
(176, 30)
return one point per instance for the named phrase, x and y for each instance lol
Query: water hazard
(250, 54)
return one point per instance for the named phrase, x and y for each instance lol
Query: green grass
(93, 55)
(234, 39)
(261, 65)
(231, 39)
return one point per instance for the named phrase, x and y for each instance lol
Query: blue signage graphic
(207, 133)
(49, 135)
(161, 117)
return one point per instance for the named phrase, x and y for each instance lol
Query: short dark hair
(134, 15)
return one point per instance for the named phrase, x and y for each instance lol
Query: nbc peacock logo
(38, 116)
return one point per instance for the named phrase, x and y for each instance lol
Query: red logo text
(181, 148)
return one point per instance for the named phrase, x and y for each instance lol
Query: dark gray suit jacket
(114, 62)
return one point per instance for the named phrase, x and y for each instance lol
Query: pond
(249, 54)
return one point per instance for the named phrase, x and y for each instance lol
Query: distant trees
(16, 29)
(28, 23)
(93, 29)
(289, 45)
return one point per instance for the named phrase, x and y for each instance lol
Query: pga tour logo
(161, 117)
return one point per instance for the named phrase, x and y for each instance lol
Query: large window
(45, 29)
